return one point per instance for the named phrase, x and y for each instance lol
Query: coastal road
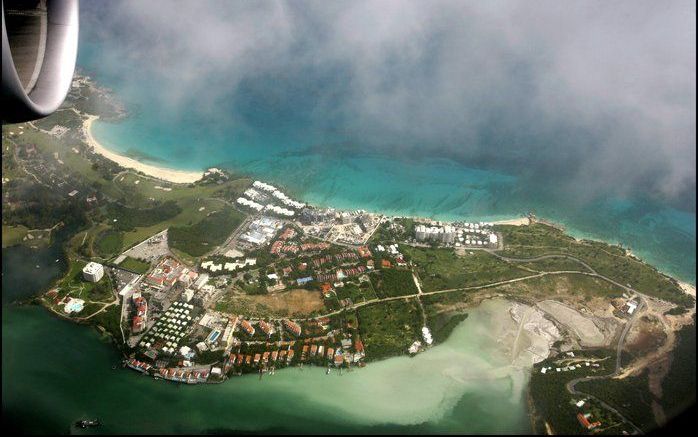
(571, 385)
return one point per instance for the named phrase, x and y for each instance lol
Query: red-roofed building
(247, 327)
(137, 324)
(386, 264)
(584, 421)
(364, 251)
(265, 327)
(326, 289)
(292, 326)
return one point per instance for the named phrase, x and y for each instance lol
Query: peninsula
(199, 277)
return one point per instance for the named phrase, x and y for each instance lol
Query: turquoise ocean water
(270, 129)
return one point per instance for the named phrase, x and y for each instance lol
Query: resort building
(93, 272)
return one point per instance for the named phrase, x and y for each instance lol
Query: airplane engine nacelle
(39, 49)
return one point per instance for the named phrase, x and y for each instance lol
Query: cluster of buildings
(261, 230)
(282, 246)
(168, 272)
(168, 331)
(568, 368)
(278, 194)
(249, 203)
(629, 307)
(228, 266)
(254, 197)
(469, 234)
(342, 273)
(265, 358)
(184, 375)
(394, 251)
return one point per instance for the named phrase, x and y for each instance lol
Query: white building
(427, 335)
(93, 272)
(188, 294)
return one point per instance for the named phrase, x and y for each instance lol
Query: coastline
(687, 288)
(187, 177)
(166, 174)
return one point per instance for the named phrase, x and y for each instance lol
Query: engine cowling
(39, 50)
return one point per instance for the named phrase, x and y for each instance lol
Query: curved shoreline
(166, 174)
(187, 177)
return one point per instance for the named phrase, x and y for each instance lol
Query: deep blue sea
(269, 128)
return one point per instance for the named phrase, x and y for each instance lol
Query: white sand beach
(523, 221)
(166, 174)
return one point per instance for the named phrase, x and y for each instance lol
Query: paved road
(571, 385)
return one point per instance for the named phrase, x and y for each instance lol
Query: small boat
(87, 423)
(37, 266)
(328, 371)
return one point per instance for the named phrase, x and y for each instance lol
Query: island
(199, 277)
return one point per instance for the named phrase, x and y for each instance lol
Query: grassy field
(202, 237)
(442, 269)
(390, 328)
(134, 265)
(109, 243)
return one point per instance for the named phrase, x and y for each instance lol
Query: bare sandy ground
(297, 301)
(524, 221)
(176, 176)
(589, 334)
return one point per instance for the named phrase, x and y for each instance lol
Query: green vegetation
(441, 269)
(557, 406)
(202, 237)
(74, 285)
(554, 265)
(442, 325)
(109, 319)
(134, 265)
(679, 384)
(390, 328)
(124, 218)
(607, 260)
(109, 243)
(394, 282)
(357, 293)
(630, 396)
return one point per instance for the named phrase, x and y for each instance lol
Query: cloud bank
(596, 96)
